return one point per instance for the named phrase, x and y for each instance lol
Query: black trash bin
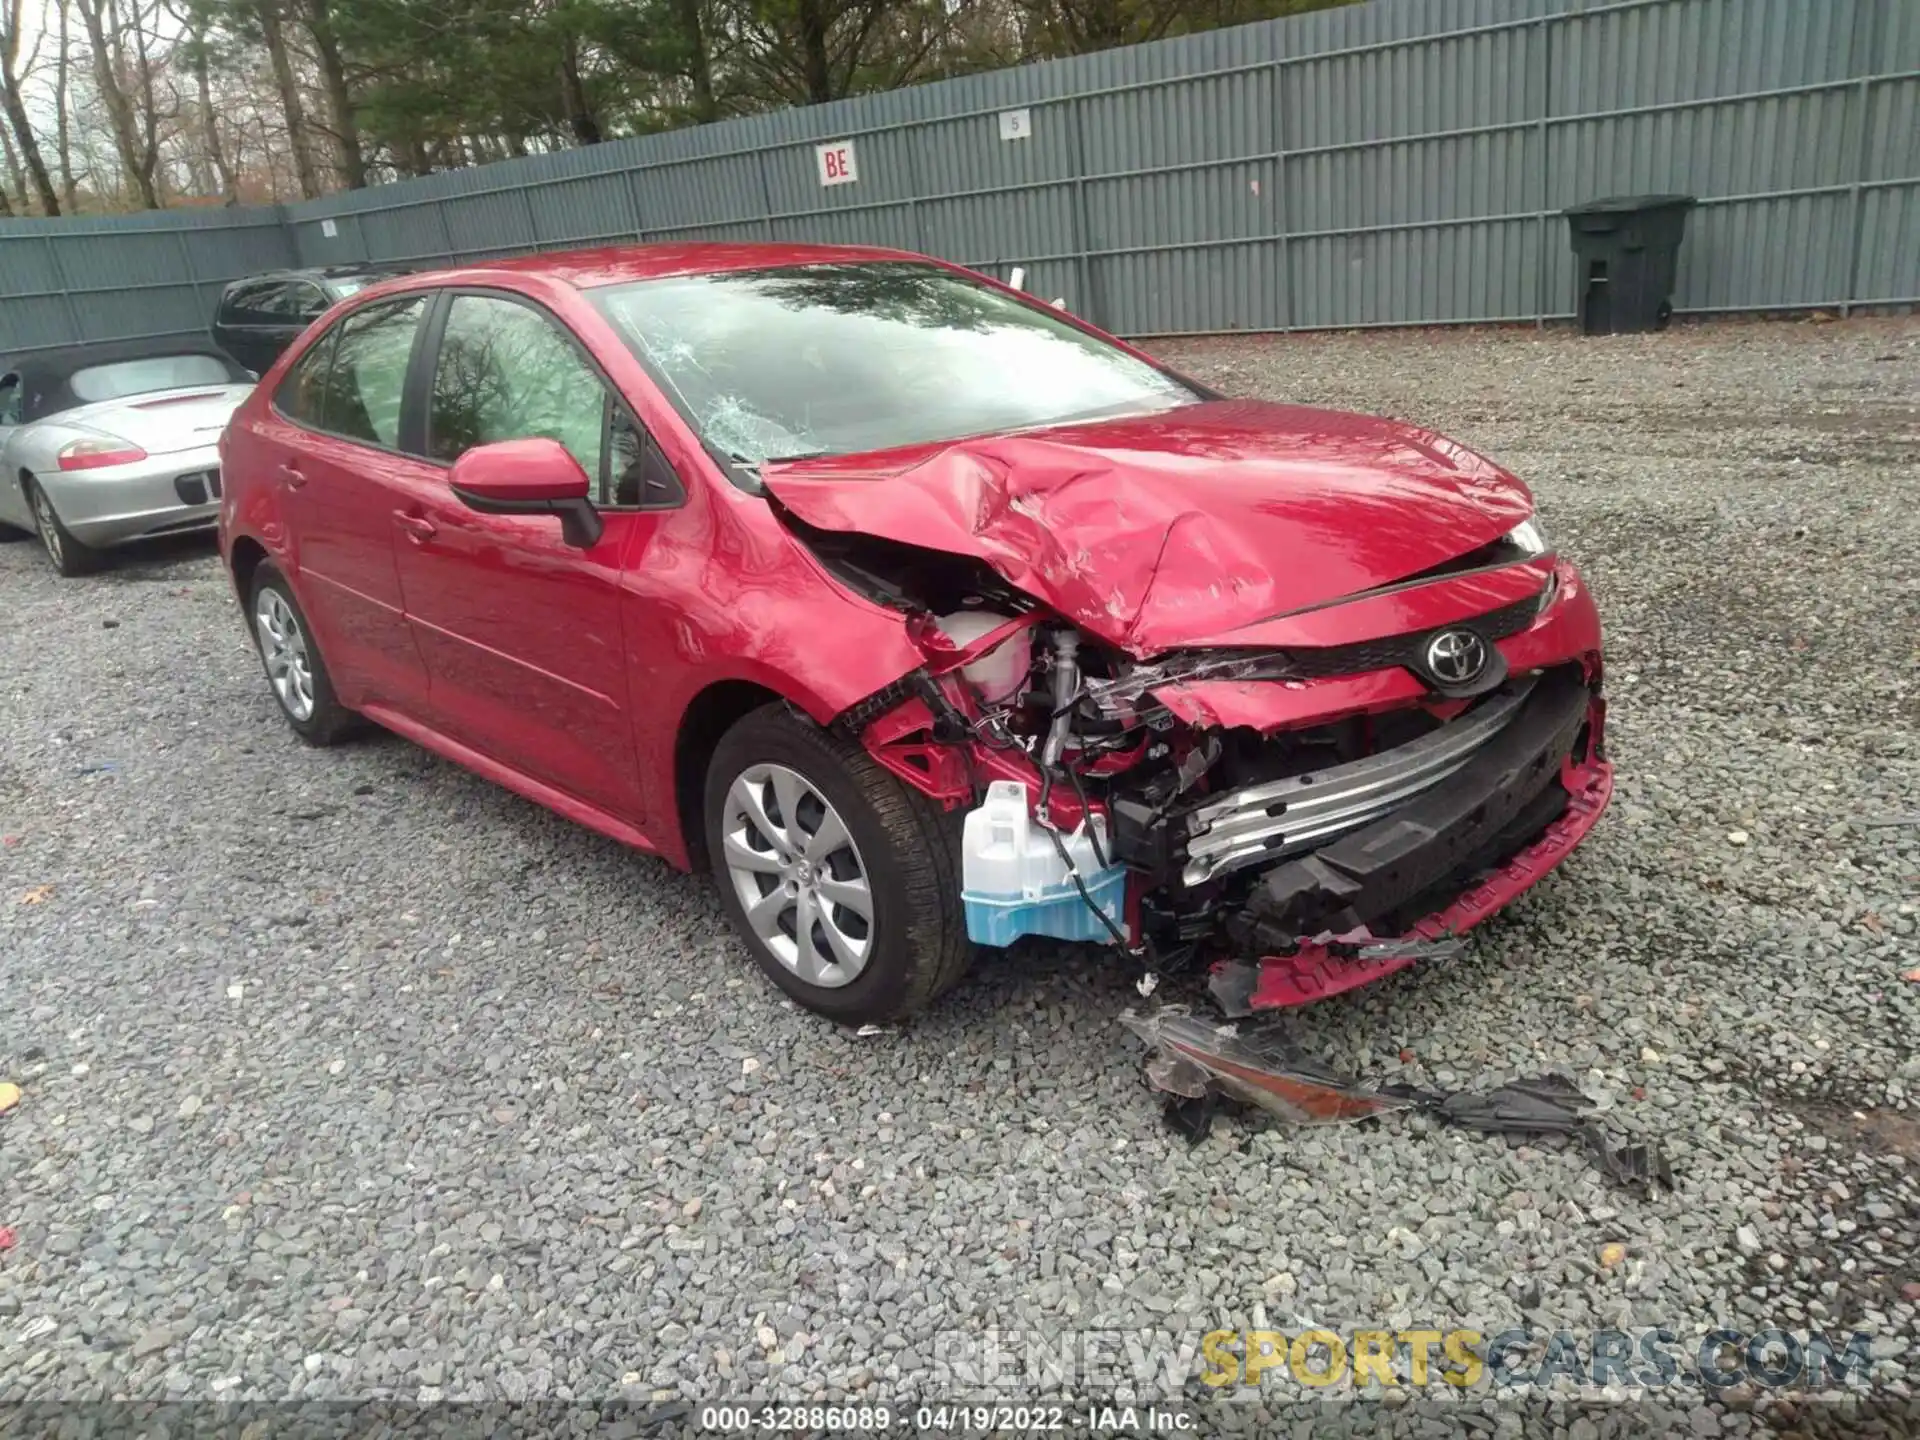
(1627, 249)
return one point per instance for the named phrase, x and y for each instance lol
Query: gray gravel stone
(349, 1073)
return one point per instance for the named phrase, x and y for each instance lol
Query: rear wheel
(844, 883)
(295, 672)
(68, 555)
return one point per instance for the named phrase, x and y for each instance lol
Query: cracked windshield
(838, 359)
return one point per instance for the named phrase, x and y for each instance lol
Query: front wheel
(844, 883)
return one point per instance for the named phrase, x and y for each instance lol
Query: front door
(520, 631)
(333, 437)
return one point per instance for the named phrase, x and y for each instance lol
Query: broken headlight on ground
(1197, 1063)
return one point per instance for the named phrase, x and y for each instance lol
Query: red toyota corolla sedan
(922, 614)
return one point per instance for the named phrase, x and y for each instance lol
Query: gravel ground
(349, 1074)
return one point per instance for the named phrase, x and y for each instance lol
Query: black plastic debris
(1199, 1063)
(1549, 1105)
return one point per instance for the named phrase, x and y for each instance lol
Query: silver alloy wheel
(283, 645)
(49, 525)
(798, 874)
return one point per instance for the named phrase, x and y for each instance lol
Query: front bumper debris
(1508, 805)
(1284, 817)
(1403, 888)
(1196, 1064)
(1504, 791)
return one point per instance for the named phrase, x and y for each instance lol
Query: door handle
(419, 529)
(291, 474)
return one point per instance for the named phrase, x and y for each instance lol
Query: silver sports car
(101, 444)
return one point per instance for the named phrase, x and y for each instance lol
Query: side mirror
(535, 476)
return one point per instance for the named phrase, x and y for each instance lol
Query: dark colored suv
(261, 315)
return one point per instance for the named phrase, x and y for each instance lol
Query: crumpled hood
(1165, 530)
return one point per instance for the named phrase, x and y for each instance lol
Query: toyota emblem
(1456, 657)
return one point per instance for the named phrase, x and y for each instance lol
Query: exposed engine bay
(1324, 809)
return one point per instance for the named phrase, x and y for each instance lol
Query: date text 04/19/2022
(946, 1419)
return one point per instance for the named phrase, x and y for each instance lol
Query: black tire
(908, 847)
(68, 556)
(1663, 315)
(329, 721)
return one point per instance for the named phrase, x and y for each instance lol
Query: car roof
(319, 272)
(44, 374)
(619, 264)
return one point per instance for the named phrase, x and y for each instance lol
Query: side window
(304, 302)
(368, 377)
(239, 305)
(303, 391)
(637, 470)
(507, 372)
(626, 454)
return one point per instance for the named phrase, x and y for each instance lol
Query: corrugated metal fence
(102, 278)
(1401, 162)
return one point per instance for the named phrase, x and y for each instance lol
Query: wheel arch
(244, 557)
(709, 715)
(16, 507)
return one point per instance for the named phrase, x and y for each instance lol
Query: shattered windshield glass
(841, 358)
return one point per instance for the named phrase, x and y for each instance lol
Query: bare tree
(11, 73)
(123, 74)
(62, 95)
(205, 150)
(573, 95)
(273, 32)
(8, 205)
(342, 125)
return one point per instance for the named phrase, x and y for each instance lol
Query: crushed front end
(1302, 818)
(1295, 695)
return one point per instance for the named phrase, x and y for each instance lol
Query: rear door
(333, 437)
(521, 632)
